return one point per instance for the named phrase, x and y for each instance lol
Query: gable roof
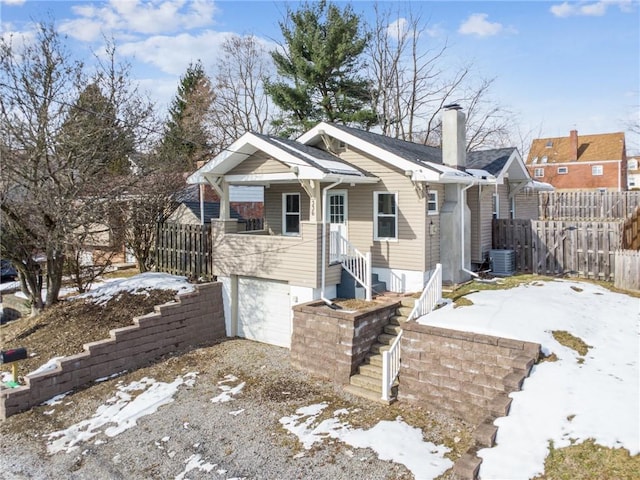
(493, 161)
(304, 162)
(420, 162)
(591, 148)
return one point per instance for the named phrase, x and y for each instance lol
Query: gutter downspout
(324, 239)
(462, 207)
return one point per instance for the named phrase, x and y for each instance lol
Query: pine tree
(319, 69)
(185, 137)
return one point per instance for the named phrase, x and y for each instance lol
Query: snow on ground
(138, 285)
(395, 441)
(123, 410)
(572, 399)
(228, 392)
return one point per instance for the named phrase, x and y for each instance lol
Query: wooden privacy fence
(631, 231)
(627, 266)
(587, 205)
(184, 250)
(578, 248)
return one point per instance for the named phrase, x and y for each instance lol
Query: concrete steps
(367, 383)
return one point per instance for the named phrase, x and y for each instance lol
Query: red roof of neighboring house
(585, 148)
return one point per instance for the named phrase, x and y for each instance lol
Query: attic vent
(503, 262)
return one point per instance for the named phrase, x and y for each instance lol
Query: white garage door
(264, 311)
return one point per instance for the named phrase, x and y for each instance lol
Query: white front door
(337, 219)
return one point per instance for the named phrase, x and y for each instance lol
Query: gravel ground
(250, 445)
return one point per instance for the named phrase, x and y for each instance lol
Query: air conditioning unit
(503, 262)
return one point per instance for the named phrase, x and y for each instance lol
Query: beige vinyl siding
(485, 200)
(259, 163)
(273, 205)
(408, 252)
(295, 260)
(183, 215)
(432, 245)
(527, 205)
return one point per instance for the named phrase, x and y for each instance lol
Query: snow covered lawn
(574, 398)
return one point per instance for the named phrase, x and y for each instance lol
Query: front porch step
(397, 319)
(386, 338)
(379, 347)
(374, 359)
(408, 302)
(404, 311)
(364, 381)
(393, 329)
(370, 370)
(364, 393)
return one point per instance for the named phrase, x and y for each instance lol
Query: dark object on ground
(7, 271)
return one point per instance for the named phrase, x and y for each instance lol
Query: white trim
(512, 207)
(495, 205)
(376, 215)
(537, 171)
(285, 213)
(595, 168)
(563, 170)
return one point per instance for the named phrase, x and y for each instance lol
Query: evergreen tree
(185, 137)
(319, 69)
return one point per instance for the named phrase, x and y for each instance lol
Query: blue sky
(559, 65)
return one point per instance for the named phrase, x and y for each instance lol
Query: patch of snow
(195, 462)
(51, 364)
(395, 441)
(57, 399)
(122, 409)
(228, 392)
(574, 398)
(137, 285)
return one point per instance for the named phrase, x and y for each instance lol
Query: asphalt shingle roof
(493, 161)
(591, 148)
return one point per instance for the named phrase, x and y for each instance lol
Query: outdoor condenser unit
(503, 262)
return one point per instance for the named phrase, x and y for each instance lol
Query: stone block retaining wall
(333, 343)
(194, 318)
(466, 373)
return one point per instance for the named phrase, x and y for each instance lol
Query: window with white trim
(596, 170)
(495, 200)
(632, 164)
(432, 203)
(385, 221)
(538, 172)
(291, 214)
(563, 170)
(512, 208)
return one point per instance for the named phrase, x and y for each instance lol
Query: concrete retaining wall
(194, 318)
(333, 343)
(462, 372)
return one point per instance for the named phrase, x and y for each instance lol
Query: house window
(545, 159)
(596, 170)
(432, 203)
(538, 172)
(386, 216)
(496, 205)
(563, 170)
(291, 213)
(632, 164)
(512, 208)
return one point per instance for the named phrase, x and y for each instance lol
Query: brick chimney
(454, 137)
(573, 145)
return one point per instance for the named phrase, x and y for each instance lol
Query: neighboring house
(342, 198)
(580, 163)
(191, 213)
(633, 173)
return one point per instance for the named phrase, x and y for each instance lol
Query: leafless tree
(412, 85)
(240, 104)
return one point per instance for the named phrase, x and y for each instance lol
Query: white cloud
(13, 2)
(477, 24)
(593, 9)
(126, 17)
(397, 29)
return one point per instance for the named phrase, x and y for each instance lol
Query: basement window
(563, 170)
(291, 213)
(385, 220)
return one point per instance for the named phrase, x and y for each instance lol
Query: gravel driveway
(193, 437)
